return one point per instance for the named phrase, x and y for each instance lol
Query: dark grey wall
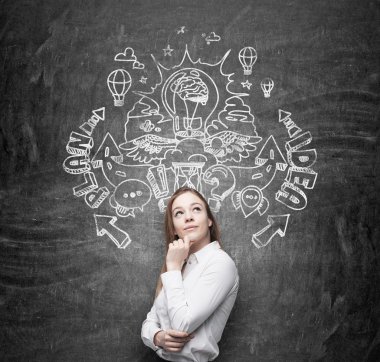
(67, 294)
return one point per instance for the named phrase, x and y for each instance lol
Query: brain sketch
(190, 88)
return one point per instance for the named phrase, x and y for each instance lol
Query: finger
(175, 344)
(175, 242)
(169, 349)
(175, 333)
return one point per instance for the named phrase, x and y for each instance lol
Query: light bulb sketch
(185, 96)
(247, 57)
(267, 85)
(119, 82)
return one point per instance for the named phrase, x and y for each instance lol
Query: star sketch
(246, 84)
(181, 30)
(168, 51)
(143, 79)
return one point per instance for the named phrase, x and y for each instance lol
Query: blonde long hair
(170, 234)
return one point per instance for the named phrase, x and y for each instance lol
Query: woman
(197, 287)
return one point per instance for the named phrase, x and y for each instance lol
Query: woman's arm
(149, 328)
(154, 337)
(215, 283)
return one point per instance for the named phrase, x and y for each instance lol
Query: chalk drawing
(130, 195)
(300, 176)
(119, 81)
(168, 51)
(212, 37)
(233, 135)
(129, 56)
(181, 30)
(267, 85)
(89, 126)
(158, 180)
(277, 225)
(223, 180)
(190, 129)
(249, 200)
(246, 84)
(105, 225)
(247, 58)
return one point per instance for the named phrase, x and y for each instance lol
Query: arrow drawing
(277, 224)
(105, 225)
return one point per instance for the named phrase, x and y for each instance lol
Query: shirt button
(189, 262)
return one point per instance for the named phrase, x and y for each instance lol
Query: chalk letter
(96, 197)
(302, 176)
(76, 164)
(89, 184)
(291, 196)
(79, 144)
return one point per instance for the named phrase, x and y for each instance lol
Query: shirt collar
(204, 253)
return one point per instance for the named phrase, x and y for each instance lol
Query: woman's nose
(189, 216)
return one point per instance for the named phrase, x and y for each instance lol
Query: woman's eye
(178, 213)
(197, 208)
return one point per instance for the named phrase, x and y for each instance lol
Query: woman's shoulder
(223, 258)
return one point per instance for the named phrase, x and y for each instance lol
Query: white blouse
(199, 302)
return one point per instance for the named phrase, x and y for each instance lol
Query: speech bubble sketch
(212, 37)
(223, 180)
(247, 58)
(277, 225)
(105, 225)
(168, 51)
(119, 81)
(267, 85)
(130, 195)
(250, 200)
(246, 84)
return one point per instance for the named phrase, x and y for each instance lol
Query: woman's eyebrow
(192, 204)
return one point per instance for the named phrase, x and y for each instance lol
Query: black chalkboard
(269, 108)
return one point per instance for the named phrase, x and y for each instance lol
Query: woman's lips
(189, 228)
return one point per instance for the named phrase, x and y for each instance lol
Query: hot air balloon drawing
(247, 57)
(119, 82)
(267, 85)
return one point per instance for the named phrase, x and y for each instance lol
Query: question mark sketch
(224, 180)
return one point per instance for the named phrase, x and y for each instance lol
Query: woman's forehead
(186, 199)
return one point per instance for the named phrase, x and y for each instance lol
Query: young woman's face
(190, 218)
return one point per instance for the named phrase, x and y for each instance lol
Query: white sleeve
(212, 288)
(149, 328)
